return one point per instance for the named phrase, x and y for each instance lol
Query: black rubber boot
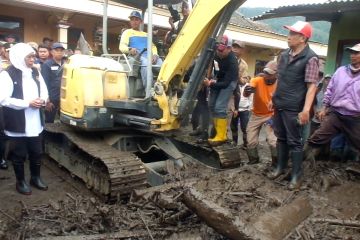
(350, 154)
(310, 153)
(203, 137)
(196, 132)
(253, 155)
(337, 154)
(274, 159)
(36, 180)
(235, 139)
(244, 146)
(282, 160)
(3, 164)
(297, 171)
(21, 185)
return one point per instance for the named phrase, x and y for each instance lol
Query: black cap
(47, 39)
(57, 45)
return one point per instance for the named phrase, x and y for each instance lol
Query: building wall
(254, 54)
(39, 24)
(343, 29)
(35, 22)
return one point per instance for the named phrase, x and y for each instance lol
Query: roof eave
(328, 11)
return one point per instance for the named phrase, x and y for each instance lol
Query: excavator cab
(96, 90)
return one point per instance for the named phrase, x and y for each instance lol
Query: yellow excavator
(108, 129)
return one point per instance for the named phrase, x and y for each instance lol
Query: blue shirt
(52, 74)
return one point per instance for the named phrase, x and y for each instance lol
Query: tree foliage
(321, 29)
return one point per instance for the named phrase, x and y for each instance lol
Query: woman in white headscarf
(22, 94)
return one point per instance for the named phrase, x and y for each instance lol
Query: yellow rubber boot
(221, 130)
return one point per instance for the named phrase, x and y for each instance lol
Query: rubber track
(125, 171)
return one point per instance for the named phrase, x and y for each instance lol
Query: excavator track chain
(107, 171)
(223, 156)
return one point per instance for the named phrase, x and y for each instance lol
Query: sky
(278, 3)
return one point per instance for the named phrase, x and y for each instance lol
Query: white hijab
(17, 55)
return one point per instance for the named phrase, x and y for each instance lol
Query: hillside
(321, 28)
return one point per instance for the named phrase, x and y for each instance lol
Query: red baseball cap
(301, 27)
(224, 43)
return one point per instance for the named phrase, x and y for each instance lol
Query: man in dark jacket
(222, 88)
(51, 71)
(298, 71)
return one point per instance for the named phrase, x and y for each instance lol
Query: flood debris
(234, 204)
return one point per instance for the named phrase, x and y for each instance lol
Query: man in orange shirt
(263, 87)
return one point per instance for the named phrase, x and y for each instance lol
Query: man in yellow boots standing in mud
(222, 88)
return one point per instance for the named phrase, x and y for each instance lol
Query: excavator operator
(134, 41)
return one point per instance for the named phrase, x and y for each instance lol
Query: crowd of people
(299, 108)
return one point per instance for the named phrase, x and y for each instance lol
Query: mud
(69, 211)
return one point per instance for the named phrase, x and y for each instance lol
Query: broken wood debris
(340, 222)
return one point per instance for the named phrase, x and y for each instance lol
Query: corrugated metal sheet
(316, 10)
(142, 4)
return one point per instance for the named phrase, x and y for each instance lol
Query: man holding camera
(175, 17)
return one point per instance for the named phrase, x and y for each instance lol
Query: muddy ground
(69, 211)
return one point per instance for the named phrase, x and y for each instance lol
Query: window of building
(73, 37)
(11, 25)
(343, 56)
(259, 66)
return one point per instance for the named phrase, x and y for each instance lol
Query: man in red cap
(298, 71)
(222, 88)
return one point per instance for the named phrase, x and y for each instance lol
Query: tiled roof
(314, 11)
(239, 20)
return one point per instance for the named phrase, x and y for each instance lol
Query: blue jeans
(143, 69)
(243, 117)
(219, 99)
(338, 142)
(306, 132)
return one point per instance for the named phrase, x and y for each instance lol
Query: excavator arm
(207, 21)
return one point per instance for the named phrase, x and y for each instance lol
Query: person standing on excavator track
(298, 74)
(134, 41)
(222, 88)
